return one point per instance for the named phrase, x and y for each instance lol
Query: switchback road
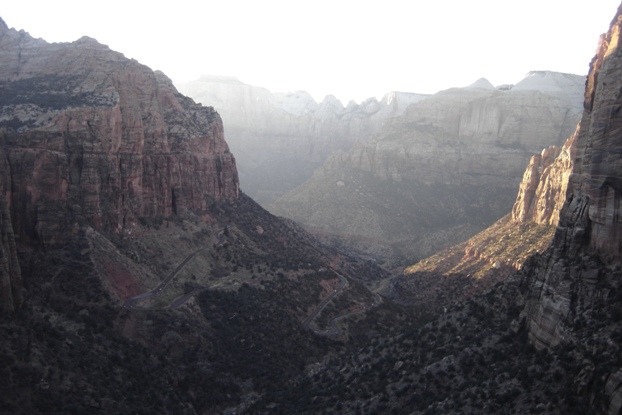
(129, 303)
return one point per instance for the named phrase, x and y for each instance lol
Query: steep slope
(492, 255)
(581, 271)
(545, 340)
(280, 139)
(135, 277)
(89, 135)
(445, 169)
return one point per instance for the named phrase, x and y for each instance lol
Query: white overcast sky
(353, 49)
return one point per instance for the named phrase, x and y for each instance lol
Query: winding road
(129, 303)
(332, 330)
(343, 282)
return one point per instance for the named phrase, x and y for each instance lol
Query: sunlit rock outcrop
(543, 190)
(444, 170)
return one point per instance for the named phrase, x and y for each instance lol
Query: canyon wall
(581, 270)
(87, 133)
(544, 187)
(279, 139)
(90, 137)
(444, 170)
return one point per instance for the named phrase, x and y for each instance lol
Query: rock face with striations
(543, 190)
(573, 301)
(442, 171)
(280, 139)
(89, 135)
(584, 262)
(11, 296)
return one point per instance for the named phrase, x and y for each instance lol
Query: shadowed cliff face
(90, 136)
(581, 271)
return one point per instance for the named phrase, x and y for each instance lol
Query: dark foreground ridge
(129, 188)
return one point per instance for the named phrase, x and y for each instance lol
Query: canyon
(279, 139)
(136, 276)
(445, 169)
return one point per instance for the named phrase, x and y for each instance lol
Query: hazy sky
(352, 49)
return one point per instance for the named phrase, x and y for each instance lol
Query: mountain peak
(481, 83)
(548, 81)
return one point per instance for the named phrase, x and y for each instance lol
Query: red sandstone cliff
(88, 136)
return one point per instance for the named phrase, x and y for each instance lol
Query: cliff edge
(88, 136)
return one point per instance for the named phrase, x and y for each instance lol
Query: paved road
(342, 284)
(332, 329)
(180, 300)
(130, 302)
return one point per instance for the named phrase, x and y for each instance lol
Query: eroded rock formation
(574, 290)
(280, 139)
(543, 191)
(441, 172)
(588, 235)
(90, 136)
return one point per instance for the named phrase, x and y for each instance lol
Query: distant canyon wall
(279, 139)
(439, 173)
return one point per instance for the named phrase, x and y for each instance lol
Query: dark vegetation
(474, 359)
(50, 92)
(73, 349)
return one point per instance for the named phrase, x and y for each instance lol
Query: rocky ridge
(90, 137)
(463, 270)
(439, 173)
(88, 132)
(581, 270)
(131, 266)
(279, 139)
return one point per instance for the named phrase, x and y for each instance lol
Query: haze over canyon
(455, 253)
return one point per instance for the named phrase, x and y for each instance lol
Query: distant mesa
(547, 81)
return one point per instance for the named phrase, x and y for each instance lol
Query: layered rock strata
(92, 137)
(544, 187)
(589, 231)
(441, 172)
(573, 298)
(280, 139)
